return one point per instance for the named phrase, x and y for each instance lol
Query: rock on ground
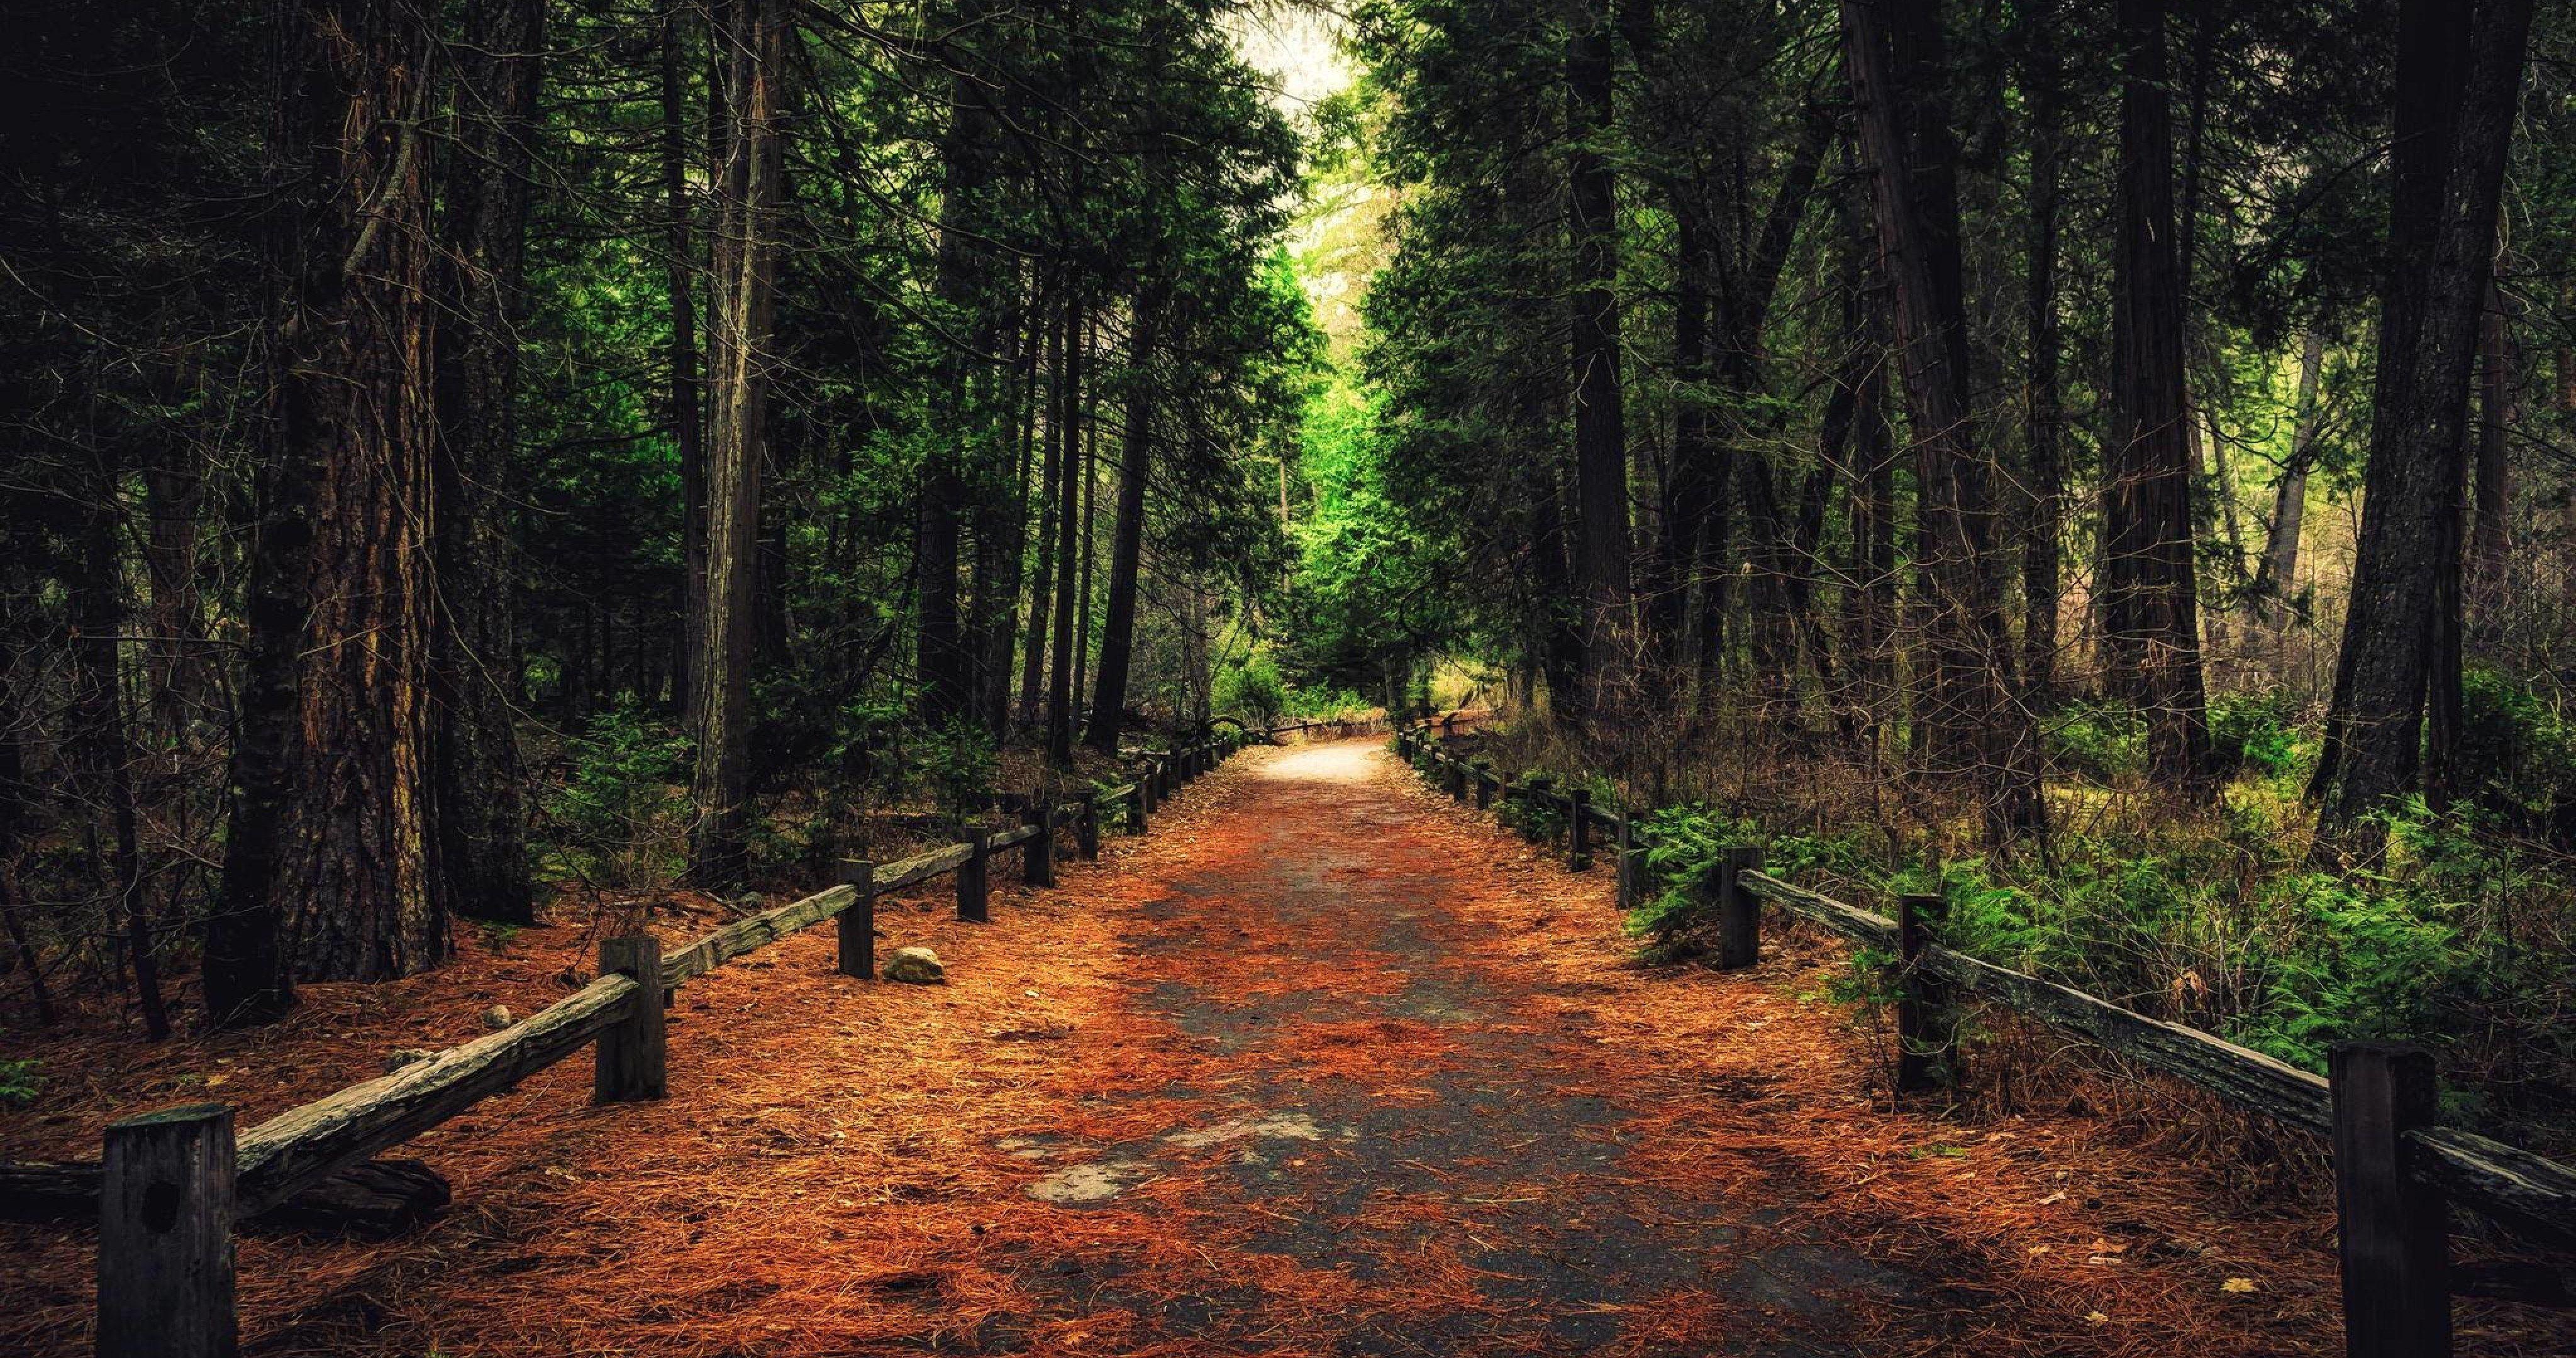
(915, 966)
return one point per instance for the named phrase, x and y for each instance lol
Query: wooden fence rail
(2397, 1173)
(171, 1185)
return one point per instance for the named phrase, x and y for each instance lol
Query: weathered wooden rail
(171, 1185)
(2397, 1171)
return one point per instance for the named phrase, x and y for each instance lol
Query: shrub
(19, 1082)
(621, 817)
(959, 764)
(1685, 850)
(2105, 740)
(2523, 751)
(1252, 691)
(2259, 731)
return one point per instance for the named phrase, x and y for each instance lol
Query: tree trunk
(2153, 595)
(2045, 416)
(1042, 591)
(1002, 534)
(1064, 684)
(480, 863)
(1974, 725)
(1692, 507)
(2458, 87)
(1126, 549)
(2276, 577)
(327, 852)
(755, 38)
(1600, 437)
(946, 654)
(104, 741)
(1090, 551)
(174, 491)
(2491, 542)
(688, 428)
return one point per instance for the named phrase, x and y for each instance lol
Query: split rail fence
(2397, 1171)
(171, 1184)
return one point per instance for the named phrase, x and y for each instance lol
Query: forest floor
(1322, 1065)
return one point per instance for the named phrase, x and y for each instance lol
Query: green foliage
(2259, 732)
(2521, 752)
(1685, 851)
(20, 1082)
(1115, 814)
(1251, 691)
(621, 818)
(2105, 740)
(959, 765)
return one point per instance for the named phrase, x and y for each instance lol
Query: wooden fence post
(627, 1063)
(1926, 1049)
(1484, 788)
(165, 1235)
(1739, 912)
(1627, 863)
(1037, 860)
(857, 925)
(1086, 828)
(1139, 803)
(973, 881)
(1578, 830)
(1541, 791)
(1453, 778)
(2392, 1227)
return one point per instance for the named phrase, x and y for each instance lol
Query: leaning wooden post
(1926, 1051)
(1086, 828)
(2392, 1227)
(1739, 912)
(1578, 830)
(858, 922)
(1453, 779)
(1484, 785)
(627, 1059)
(973, 884)
(165, 1235)
(1037, 867)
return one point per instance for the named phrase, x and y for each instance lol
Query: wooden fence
(2397, 1171)
(170, 1185)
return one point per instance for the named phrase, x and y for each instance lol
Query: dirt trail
(1323, 1065)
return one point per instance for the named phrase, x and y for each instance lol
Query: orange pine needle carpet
(1322, 1066)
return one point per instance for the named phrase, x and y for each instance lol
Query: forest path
(1323, 1065)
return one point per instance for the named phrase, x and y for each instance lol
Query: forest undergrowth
(2203, 912)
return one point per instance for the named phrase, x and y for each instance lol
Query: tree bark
(480, 864)
(1974, 725)
(2459, 79)
(327, 852)
(103, 739)
(2276, 577)
(2152, 598)
(1126, 549)
(946, 652)
(1600, 433)
(1033, 653)
(755, 38)
(2491, 540)
(1064, 686)
(688, 426)
(2044, 470)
